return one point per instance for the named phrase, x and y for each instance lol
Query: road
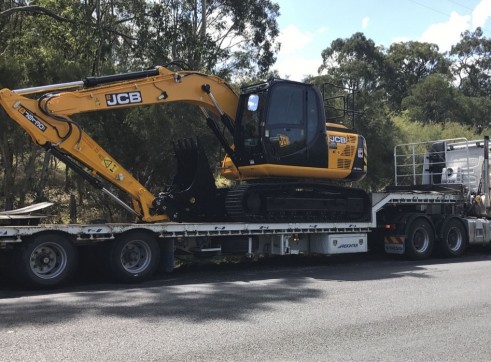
(356, 308)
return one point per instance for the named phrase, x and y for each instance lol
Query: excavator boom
(47, 121)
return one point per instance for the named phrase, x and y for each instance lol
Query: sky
(309, 26)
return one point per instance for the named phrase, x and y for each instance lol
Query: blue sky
(309, 26)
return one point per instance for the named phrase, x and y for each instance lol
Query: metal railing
(443, 162)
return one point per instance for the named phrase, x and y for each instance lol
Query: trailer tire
(134, 257)
(420, 239)
(45, 261)
(454, 239)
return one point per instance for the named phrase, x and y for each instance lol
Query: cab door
(294, 132)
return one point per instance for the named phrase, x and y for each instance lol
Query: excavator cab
(281, 131)
(281, 122)
(287, 154)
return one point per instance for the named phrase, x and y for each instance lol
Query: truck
(285, 163)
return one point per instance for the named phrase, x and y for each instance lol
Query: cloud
(297, 67)
(447, 34)
(400, 39)
(293, 39)
(292, 61)
(364, 22)
(481, 13)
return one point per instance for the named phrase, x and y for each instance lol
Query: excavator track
(296, 202)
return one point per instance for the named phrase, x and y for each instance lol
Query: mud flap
(395, 244)
(193, 194)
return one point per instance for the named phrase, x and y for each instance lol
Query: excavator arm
(159, 85)
(47, 120)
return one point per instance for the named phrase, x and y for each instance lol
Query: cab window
(285, 123)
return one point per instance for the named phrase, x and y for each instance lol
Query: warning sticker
(110, 165)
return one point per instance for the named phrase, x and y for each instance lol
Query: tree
(407, 64)
(472, 111)
(473, 63)
(226, 37)
(356, 60)
(432, 100)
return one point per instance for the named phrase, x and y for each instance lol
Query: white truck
(284, 158)
(439, 203)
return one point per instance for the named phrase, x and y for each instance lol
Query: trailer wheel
(419, 239)
(454, 239)
(134, 257)
(47, 260)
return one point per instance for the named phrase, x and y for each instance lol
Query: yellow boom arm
(47, 120)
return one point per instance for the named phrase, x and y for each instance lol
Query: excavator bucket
(193, 190)
(191, 162)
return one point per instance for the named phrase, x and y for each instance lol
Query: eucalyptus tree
(432, 100)
(472, 63)
(355, 59)
(225, 37)
(408, 63)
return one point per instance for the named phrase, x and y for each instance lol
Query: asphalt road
(359, 308)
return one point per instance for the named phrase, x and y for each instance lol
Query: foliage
(431, 100)
(413, 132)
(230, 37)
(472, 66)
(356, 59)
(409, 63)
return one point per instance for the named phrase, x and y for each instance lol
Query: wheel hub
(135, 256)
(43, 260)
(48, 260)
(131, 256)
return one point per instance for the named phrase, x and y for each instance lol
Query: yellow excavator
(283, 159)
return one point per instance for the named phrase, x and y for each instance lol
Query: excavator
(286, 163)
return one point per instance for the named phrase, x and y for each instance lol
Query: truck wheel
(454, 239)
(134, 257)
(47, 260)
(419, 239)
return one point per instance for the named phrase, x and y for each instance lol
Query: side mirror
(253, 102)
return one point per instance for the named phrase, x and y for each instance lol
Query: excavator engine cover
(193, 194)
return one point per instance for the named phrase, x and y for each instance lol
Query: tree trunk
(8, 169)
(29, 175)
(42, 178)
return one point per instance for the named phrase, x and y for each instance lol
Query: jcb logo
(337, 139)
(283, 140)
(117, 99)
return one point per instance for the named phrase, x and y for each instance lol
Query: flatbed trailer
(414, 220)
(134, 250)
